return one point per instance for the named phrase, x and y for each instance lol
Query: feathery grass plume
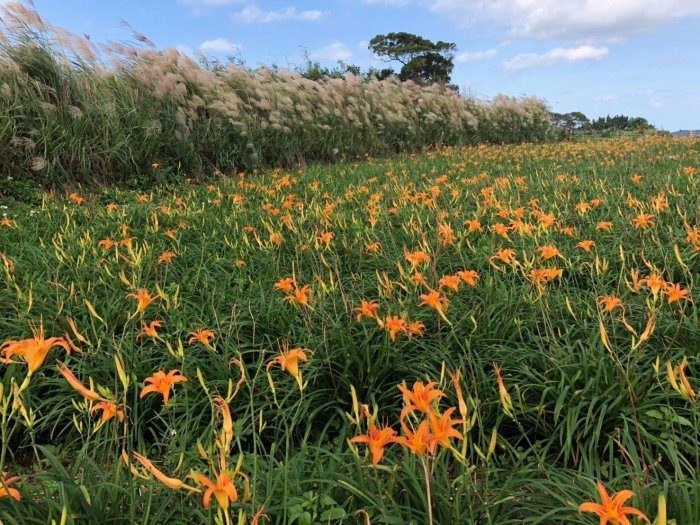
(109, 95)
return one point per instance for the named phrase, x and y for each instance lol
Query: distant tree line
(575, 121)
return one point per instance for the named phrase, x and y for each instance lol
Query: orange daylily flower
(675, 293)
(506, 256)
(603, 226)
(655, 283)
(276, 238)
(522, 228)
(143, 299)
(33, 350)
(417, 257)
(6, 490)
(543, 276)
(568, 230)
(415, 328)
(546, 220)
(585, 245)
(420, 398)
(441, 430)
(435, 301)
(418, 441)
(150, 330)
(643, 220)
(161, 383)
(582, 207)
(300, 296)
(500, 229)
(167, 257)
(372, 247)
(289, 361)
(108, 244)
(76, 198)
(325, 238)
(203, 336)
(394, 325)
(472, 225)
(223, 489)
(7, 222)
(547, 252)
(286, 285)
(469, 276)
(451, 282)
(611, 509)
(610, 302)
(367, 309)
(109, 410)
(376, 439)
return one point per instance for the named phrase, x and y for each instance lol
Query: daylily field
(491, 335)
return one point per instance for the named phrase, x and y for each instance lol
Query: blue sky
(636, 57)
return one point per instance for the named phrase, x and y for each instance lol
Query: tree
(424, 61)
(619, 123)
(573, 121)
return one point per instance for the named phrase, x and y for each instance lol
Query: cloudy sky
(636, 57)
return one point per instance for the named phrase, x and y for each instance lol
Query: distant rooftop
(686, 133)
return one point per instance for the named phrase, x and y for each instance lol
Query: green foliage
(576, 123)
(583, 409)
(424, 61)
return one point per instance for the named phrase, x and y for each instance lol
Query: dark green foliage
(424, 61)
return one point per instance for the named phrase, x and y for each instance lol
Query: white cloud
(556, 56)
(219, 46)
(332, 53)
(570, 19)
(473, 56)
(254, 15)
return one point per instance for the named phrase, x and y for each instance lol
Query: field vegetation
(470, 335)
(77, 112)
(251, 296)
